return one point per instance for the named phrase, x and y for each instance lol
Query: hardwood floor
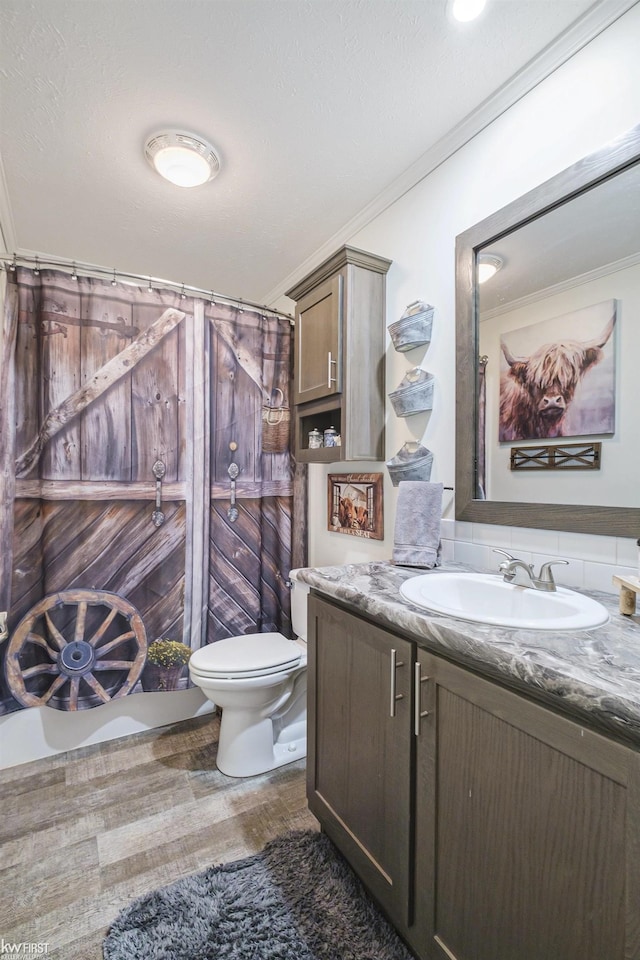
(84, 832)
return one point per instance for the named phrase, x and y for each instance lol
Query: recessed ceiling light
(182, 158)
(465, 10)
(488, 266)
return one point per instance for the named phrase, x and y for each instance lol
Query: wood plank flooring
(83, 833)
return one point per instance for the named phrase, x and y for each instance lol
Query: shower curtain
(132, 418)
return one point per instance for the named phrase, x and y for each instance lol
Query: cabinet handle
(158, 470)
(418, 680)
(233, 513)
(331, 379)
(394, 697)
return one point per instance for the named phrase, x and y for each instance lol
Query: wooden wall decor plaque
(566, 456)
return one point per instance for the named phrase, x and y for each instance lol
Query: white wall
(590, 100)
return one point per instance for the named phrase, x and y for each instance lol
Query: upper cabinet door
(318, 342)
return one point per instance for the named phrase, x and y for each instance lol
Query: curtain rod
(76, 266)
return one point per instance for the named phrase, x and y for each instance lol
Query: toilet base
(264, 719)
(246, 751)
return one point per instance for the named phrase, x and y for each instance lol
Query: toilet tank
(299, 594)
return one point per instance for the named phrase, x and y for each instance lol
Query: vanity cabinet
(487, 826)
(359, 756)
(339, 346)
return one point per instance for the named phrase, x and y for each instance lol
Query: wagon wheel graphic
(76, 649)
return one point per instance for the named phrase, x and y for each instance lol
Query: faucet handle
(546, 576)
(504, 553)
(502, 566)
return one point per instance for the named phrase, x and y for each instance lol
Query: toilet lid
(246, 655)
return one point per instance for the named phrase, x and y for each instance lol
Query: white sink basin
(485, 598)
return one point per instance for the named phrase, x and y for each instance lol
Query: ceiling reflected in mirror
(595, 232)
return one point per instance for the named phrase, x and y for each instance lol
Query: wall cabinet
(318, 342)
(339, 356)
(487, 826)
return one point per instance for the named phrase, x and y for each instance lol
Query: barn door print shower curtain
(130, 420)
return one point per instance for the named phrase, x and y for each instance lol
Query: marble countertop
(593, 675)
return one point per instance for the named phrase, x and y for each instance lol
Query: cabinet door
(359, 752)
(318, 342)
(527, 831)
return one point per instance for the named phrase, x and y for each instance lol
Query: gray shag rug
(296, 900)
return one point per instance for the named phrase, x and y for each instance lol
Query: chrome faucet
(522, 574)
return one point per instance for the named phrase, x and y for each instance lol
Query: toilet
(260, 682)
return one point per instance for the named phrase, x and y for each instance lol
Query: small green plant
(168, 653)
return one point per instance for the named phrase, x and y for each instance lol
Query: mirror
(557, 328)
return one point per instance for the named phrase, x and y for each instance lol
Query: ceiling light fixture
(182, 158)
(465, 10)
(488, 266)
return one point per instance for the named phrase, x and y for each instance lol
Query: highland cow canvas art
(558, 376)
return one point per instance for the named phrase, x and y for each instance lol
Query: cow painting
(353, 514)
(347, 512)
(537, 390)
(355, 504)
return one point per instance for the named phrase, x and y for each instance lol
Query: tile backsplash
(592, 560)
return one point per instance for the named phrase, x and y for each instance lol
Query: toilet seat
(248, 655)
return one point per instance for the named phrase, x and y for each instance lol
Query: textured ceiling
(316, 107)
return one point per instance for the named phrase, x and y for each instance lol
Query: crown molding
(340, 259)
(570, 42)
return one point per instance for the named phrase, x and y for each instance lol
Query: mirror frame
(606, 521)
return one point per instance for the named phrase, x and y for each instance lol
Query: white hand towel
(417, 531)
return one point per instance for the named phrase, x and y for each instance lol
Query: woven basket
(276, 420)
